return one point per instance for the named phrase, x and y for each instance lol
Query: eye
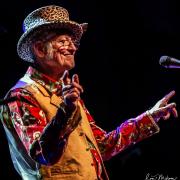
(66, 43)
(61, 42)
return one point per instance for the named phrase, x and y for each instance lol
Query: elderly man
(50, 132)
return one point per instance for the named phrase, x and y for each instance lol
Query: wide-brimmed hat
(42, 20)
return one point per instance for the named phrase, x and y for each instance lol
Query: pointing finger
(168, 96)
(65, 78)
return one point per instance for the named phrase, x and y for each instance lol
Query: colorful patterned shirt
(29, 122)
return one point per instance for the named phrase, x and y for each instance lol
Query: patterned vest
(76, 162)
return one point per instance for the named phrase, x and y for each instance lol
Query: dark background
(118, 65)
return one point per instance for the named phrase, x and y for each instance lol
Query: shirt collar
(53, 86)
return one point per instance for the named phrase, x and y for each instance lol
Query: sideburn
(48, 49)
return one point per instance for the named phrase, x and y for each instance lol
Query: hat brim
(24, 46)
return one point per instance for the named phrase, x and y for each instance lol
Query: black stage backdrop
(118, 65)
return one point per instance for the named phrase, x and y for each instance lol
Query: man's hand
(163, 109)
(71, 90)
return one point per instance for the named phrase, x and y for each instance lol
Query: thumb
(65, 78)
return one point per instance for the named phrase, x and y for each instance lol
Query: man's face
(59, 52)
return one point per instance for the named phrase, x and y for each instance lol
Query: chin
(69, 67)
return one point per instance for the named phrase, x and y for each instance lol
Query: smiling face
(55, 55)
(61, 50)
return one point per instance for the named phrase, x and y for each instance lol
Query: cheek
(59, 59)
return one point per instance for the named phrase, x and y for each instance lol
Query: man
(50, 132)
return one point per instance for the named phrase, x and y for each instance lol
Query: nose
(72, 46)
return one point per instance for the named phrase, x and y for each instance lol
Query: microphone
(169, 62)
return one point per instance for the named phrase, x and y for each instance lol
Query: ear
(38, 49)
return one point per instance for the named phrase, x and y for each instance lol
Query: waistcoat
(76, 163)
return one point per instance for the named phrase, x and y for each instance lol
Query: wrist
(152, 116)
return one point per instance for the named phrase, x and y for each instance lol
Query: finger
(75, 78)
(168, 96)
(161, 112)
(72, 96)
(69, 88)
(166, 116)
(170, 106)
(167, 109)
(78, 86)
(71, 91)
(66, 88)
(75, 82)
(65, 78)
(175, 113)
(75, 90)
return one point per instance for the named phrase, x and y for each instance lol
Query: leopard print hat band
(44, 19)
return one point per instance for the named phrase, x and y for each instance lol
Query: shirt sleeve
(130, 132)
(44, 142)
